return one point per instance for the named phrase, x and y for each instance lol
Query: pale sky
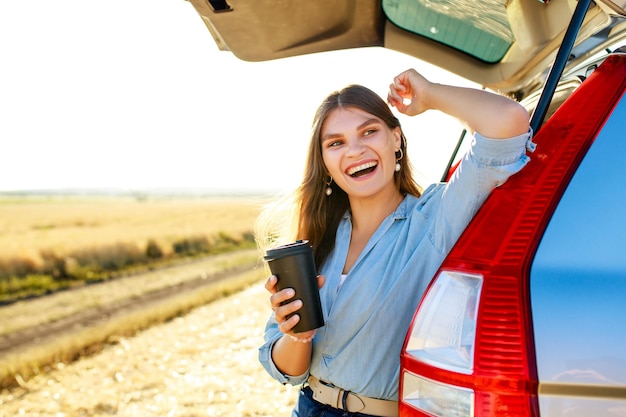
(134, 94)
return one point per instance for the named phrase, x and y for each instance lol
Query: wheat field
(199, 364)
(61, 225)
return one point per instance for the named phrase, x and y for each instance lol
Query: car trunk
(511, 54)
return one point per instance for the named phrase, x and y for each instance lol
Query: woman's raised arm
(490, 114)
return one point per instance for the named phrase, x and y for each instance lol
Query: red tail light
(469, 351)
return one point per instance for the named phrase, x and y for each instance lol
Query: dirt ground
(202, 364)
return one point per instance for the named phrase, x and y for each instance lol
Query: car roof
(504, 45)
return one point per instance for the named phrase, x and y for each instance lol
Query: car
(527, 314)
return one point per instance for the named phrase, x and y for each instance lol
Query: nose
(355, 147)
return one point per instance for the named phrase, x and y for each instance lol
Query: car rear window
(480, 29)
(587, 231)
(578, 277)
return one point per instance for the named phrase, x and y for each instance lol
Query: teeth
(361, 167)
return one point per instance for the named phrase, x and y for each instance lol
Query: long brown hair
(317, 215)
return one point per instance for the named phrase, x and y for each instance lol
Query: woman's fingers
(284, 315)
(270, 284)
(398, 93)
(321, 280)
(284, 309)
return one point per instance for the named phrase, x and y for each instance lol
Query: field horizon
(139, 192)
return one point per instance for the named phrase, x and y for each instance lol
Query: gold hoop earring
(398, 159)
(329, 190)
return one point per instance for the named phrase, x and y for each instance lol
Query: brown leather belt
(333, 396)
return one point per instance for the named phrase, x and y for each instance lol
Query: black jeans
(308, 407)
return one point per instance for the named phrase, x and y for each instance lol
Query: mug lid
(290, 249)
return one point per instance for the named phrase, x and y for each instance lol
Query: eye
(370, 131)
(333, 143)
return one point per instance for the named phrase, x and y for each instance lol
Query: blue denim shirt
(366, 318)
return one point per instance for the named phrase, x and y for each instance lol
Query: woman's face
(359, 151)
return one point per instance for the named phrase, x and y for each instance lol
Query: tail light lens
(444, 335)
(436, 398)
(469, 351)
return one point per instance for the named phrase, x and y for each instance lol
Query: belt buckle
(327, 384)
(337, 394)
(341, 397)
(326, 393)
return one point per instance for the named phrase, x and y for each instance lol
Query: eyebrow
(359, 127)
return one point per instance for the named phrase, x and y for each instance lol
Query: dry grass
(60, 305)
(88, 340)
(201, 364)
(201, 361)
(30, 226)
(61, 225)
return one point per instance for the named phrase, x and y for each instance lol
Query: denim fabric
(366, 319)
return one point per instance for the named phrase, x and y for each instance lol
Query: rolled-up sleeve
(506, 156)
(271, 335)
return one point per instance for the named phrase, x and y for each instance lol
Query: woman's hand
(490, 114)
(290, 356)
(408, 93)
(281, 312)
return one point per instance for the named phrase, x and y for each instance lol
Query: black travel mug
(294, 266)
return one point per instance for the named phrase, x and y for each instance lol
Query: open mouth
(363, 169)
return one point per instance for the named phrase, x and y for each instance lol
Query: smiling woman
(377, 238)
(136, 95)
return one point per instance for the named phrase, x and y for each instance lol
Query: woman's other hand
(407, 93)
(282, 311)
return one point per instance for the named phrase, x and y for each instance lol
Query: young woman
(377, 239)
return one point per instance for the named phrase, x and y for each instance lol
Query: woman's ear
(397, 133)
